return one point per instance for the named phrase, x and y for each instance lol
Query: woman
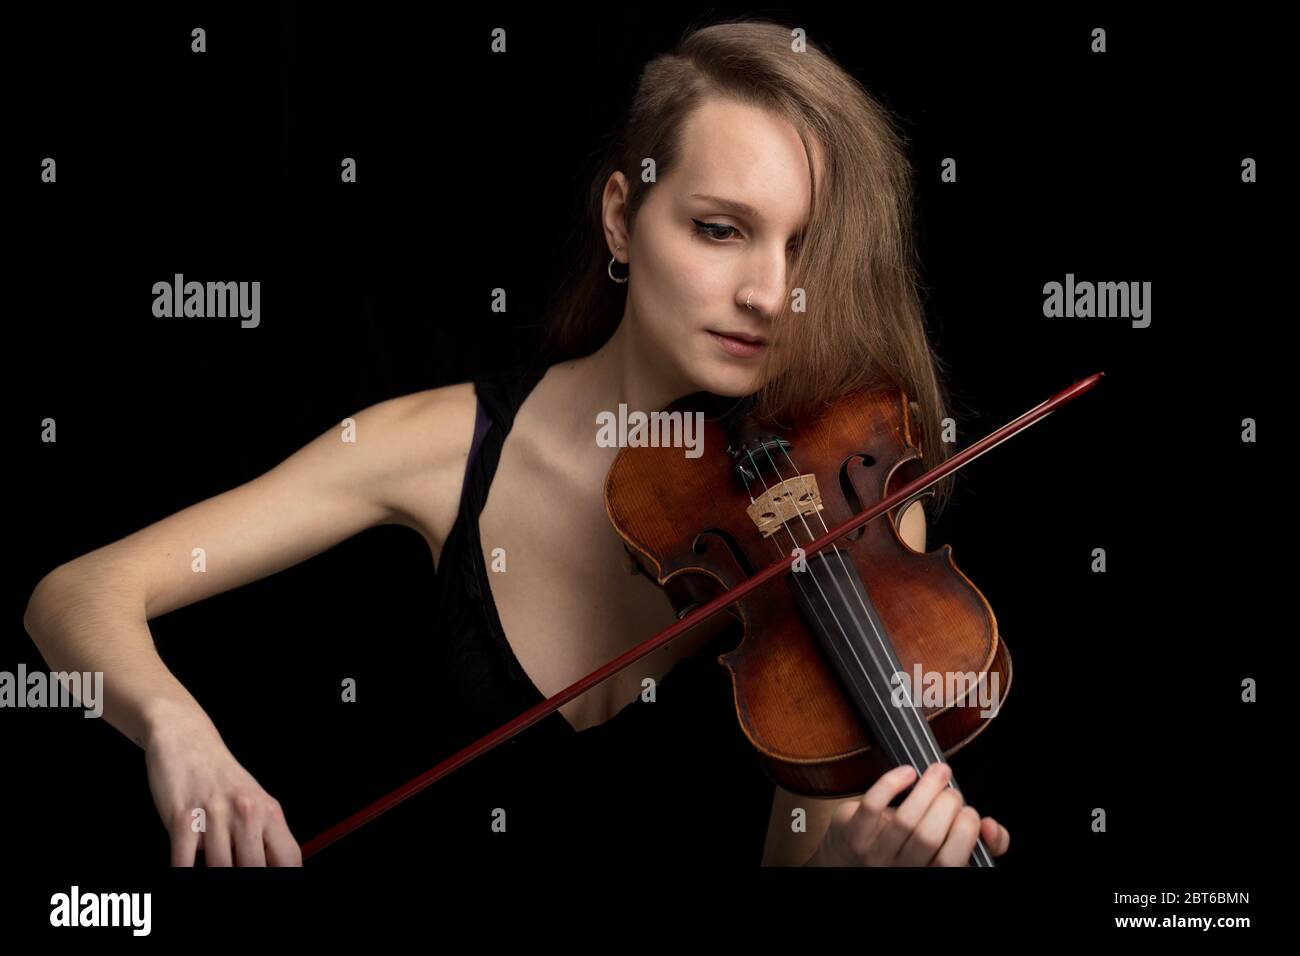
(755, 215)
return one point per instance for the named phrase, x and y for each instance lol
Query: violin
(824, 675)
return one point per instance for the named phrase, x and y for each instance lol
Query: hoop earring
(610, 270)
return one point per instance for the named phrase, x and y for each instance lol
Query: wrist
(165, 721)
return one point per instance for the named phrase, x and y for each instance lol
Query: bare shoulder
(425, 438)
(393, 462)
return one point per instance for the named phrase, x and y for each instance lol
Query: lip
(740, 344)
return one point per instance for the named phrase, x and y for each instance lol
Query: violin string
(925, 738)
(920, 737)
(902, 740)
(926, 734)
(980, 854)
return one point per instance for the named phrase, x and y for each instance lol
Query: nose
(765, 284)
(760, 297)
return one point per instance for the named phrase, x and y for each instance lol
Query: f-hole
(850, 494)
(732, 545)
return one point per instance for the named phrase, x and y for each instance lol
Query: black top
(664, 783)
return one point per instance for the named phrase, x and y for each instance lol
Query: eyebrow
(734, 205)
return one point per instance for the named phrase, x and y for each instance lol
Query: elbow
(45, 600)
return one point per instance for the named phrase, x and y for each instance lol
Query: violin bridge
(785, 501)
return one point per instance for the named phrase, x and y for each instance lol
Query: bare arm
(91, 613)
(785, 846)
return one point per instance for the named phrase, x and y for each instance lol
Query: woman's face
(719, 229)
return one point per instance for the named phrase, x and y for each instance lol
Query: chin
(729, 378)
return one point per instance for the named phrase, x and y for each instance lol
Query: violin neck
(838, 610)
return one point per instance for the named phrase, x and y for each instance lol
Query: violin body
(818, 671)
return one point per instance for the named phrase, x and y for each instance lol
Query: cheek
(681, 284)
(699, 289)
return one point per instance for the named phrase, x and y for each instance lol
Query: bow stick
(781, 565)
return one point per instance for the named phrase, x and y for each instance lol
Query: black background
(1116, 167)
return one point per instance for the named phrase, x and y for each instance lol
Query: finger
(996, 836)
(932, 831)
(884, 790)
(281, 848)
(216, 842)
(185, 844)
(872, 810)
(248, 843)
(911, 811)
(957, 849)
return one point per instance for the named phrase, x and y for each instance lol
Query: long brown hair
(861, 323)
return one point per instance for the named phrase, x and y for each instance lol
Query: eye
(708, 229)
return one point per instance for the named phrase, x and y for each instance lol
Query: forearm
(89, 625)
(814, 860)
(789, 853)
